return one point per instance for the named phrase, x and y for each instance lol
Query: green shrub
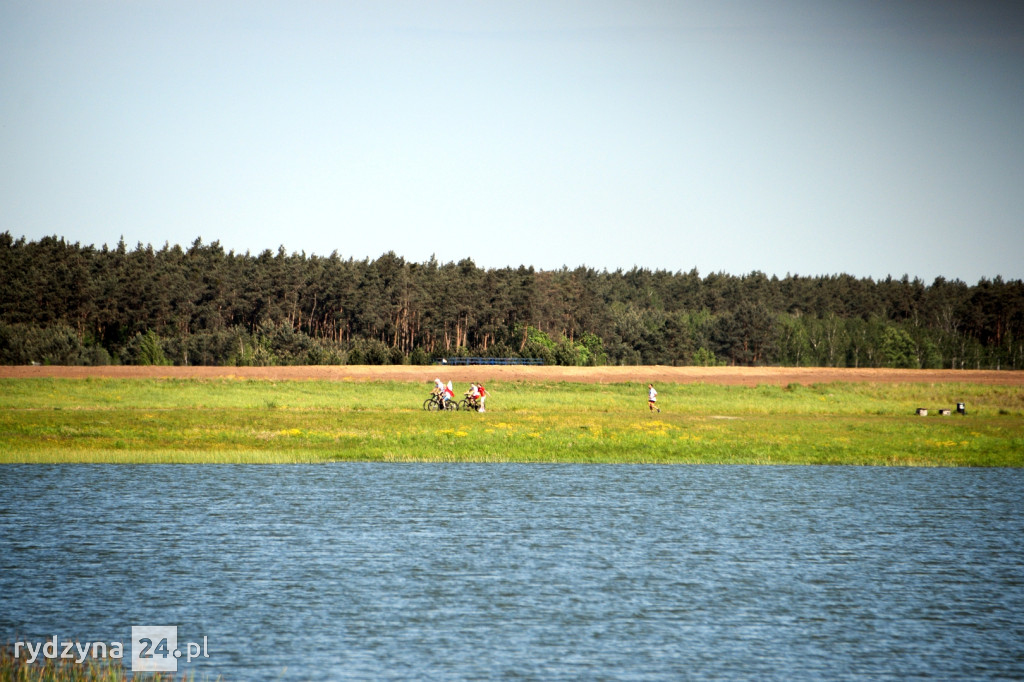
(705, 358)
(146, 349)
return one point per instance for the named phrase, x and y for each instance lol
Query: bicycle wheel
(464, 404)
(451, 406)
(430, 404)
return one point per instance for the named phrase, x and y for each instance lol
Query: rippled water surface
(448, 571)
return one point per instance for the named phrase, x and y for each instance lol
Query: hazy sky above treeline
(869, 137)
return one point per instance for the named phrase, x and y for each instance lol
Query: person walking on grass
(652, 398)
(481, 396)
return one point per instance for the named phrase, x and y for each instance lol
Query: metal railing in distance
(489, 361)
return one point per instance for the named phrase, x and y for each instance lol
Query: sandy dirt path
(739, 376)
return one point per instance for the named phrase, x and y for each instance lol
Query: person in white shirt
(652, 398)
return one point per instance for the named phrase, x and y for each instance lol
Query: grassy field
(264, 421)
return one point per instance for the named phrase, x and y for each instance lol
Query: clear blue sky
(863, 137)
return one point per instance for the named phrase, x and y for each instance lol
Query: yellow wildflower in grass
(660, 428)
(290, 432)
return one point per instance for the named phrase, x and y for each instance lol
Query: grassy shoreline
(268, 421)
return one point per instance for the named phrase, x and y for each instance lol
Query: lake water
(454, 571)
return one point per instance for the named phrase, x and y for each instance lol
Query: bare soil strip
(736, 376)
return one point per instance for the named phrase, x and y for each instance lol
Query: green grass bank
(266, 421)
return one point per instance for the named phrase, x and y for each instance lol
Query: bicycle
(469, 403)
(434, 403)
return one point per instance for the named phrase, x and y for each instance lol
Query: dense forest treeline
(63, 303)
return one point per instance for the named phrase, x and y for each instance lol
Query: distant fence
(489, 361)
